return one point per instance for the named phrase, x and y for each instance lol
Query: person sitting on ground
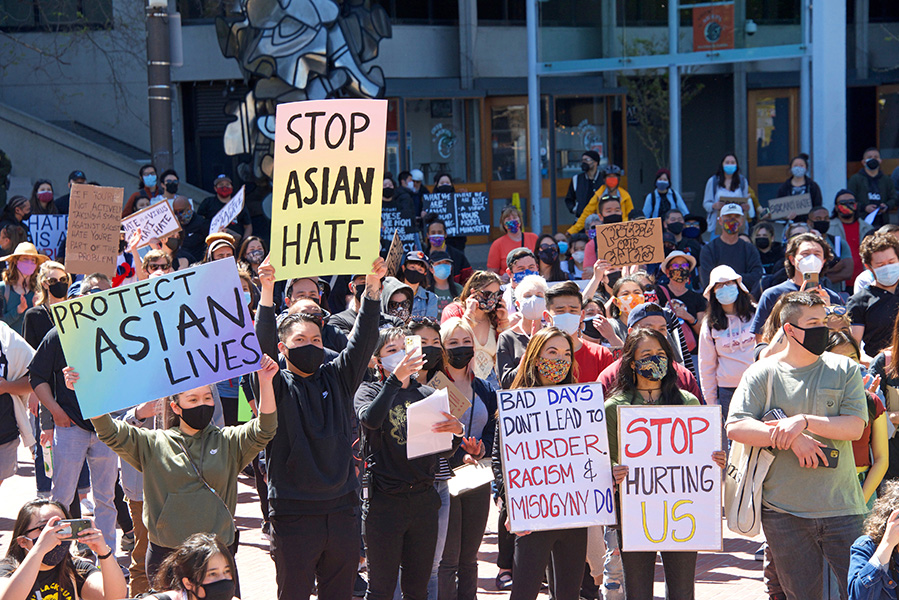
(201, 568)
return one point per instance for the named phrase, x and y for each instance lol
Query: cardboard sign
(630, 243)
(458, 403)
(555, 454)
(157, 337)
(782, 208)
(155, 221)
(326, 195)
(394, 255)
(465, 213)
(48, 233)
(228, 213)
(92, 237)
(671, 497)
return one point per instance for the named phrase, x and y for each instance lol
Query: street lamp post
(159, 84)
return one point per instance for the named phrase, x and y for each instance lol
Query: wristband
(806, 422)
(105, 556)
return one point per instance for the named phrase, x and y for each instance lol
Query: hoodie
(391, 286)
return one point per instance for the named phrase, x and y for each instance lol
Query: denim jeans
(612, 569)
(71, 446)
(799, 545)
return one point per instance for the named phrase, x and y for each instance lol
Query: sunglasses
(157, 266)
(52, 280)
(837, 310)
(404, 303)
(679, 266)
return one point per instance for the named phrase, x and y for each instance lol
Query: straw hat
(26, 250)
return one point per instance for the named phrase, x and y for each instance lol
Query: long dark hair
(36, 207)
(626, 383)
(735, 180)
(15, 554)
(555, 269)
(191, 560)
(743, 306)
(528, 376)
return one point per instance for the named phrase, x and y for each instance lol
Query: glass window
(205, 10)
(492, 12)
(55, 15)
(444, 135)
(509, 146)
(583, 123)
(888, 119)
(421, 12)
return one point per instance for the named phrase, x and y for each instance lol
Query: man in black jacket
(584, 185)
(312, 486)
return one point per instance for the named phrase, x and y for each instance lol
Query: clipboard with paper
(420, 418)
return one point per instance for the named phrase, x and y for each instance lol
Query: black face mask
(173, 243)
(821, 227)
(360, 289)
(676, 228)
(873, 164)
(691, 232)
(57, 555)
(548, 255)
(433, 357)
(197, 417)
(611, 219)
(307, 358)
(445, 189)
(387, 193)
(762, 243)
(171, 187)
(414, 277)
(122, 245)
(815, 340)
(585, 167)
(58, 289)
(220, 590)
(460, 356)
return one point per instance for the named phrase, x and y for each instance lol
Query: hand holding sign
(373, 279)
(630, 243)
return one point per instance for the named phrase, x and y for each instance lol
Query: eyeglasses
(158, 266)
(679, 266)
(52, 280)
(837, 310)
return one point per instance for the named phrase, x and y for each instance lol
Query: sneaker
(504, 581)
(360, 587)
(760, 553)
(87, 507)
(127, 544)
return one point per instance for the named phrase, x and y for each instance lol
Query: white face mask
(578, 256)
(392, 361)
(567, 322)
(809, 264)
(532, 307)
(410, 185)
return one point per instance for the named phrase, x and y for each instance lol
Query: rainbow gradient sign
(158, 337)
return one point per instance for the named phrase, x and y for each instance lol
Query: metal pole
(534, 178)
(805, 83)
(159, 85)
(674, 133)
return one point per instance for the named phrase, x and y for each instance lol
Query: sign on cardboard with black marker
(630, 243)
(465, 213)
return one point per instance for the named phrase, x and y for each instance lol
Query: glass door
(773, 139)
(507, 134)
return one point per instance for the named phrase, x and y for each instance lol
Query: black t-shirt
(9, 430)
(46, 367)
(47, 584)
(694, 301)
(212, 205)
(876, 310)
(772, 258)
(37, 322)
(195, 232)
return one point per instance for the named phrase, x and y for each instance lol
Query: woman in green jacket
(190, 468)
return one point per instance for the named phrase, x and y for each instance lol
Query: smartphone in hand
(73, 527)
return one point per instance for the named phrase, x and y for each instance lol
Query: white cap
(417, 175)
(731, 209)
(721, 274)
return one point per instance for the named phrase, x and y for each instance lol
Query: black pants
(310, 547)
(505, 540)
(639, 574)
(568, 550)
(261, 488)
(157, 554)
(400, 530)
(467, 521)
(123, 515)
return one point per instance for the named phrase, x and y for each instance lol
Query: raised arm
(266, 327)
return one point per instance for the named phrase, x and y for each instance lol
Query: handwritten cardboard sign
(458, 403)
(228, 213)
(92, 237)
(394, 255)
(671, 497)
(155, 221)
(465, 213)
(326, 195)
(48, 233)
(630, 243)
(555, 454)
(158, 337)
(783, 207)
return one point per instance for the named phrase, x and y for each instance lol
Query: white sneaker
(87, 507)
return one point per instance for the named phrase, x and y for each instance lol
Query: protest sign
(326, 195)
(158, 337)
(155, 221)
(783, 207)
(48, 233)
(458, 403)
(228, 213)
(401, 218)
(465, 213)
(92, 237)
(630, 243)
(671, 497)
(394, 255)
(555, 454)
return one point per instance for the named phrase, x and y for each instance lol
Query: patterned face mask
(400, 310)
(553, 370)
(652, 368)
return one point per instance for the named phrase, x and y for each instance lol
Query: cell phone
(72, 527)
(590, 328)
(413, 344)
(775, 414)
(812, 277)
(831, 457)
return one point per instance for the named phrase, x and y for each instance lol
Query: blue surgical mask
(149, 180)
(797, 171)
(887, 275)
(727, 294)
(517, 277)
(662, 185)
(443, 271)
(730, 169)
(247, 297)
(563, 247)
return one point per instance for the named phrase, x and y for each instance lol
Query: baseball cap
(731, 209)
(440, 255)
(417, 175)
(641, 311)
(78, 174)
(220, 179)
(417, 256)
(517, 254)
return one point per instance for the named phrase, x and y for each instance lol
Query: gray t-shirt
(830, 387)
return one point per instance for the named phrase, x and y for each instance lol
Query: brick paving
(732, 573)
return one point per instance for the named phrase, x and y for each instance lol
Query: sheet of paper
(469, 477)
(420, 418)
(873, 215)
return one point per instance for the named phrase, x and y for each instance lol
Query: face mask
(45, 196)
(247, 298)
(443, 271)
(567, 322)
(56, 555)
(460, 356)
(401, 311)
(731, 226)
(171, 186)
(809, 264)
(392, 361)
(436, 240)
(149, 180)
(845, 210)
(387, 192)
(197, 417)
(798, 172)
(591, 233)
(815, 340)
(553, 370)
(611, 182)
(517, 277)
(821, 227)
(629, 303)
(360, 289)
(730, 169)
(26, 268)
(224, 191)
(222, 589)
(662, 186)
(609, 219)
(762, 243)
(488, 305)
(585, 167)
(548, 255)
(186, 216)
(578, 256)
(307, 358)
(652, 368)
(563, 247)
(690, 232)
(433, 357)
(532, 307)
(873, 164)
(173, 243)
(678, 275)
(412, 276)
(727, 294)
(513, 226)
(445, 189)
(58, 289)
(255, 256)
(410, 185)
(887, 275)
(676, 228)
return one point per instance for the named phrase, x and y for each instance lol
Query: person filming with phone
(820, 399)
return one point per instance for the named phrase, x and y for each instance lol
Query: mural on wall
(292, 50)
